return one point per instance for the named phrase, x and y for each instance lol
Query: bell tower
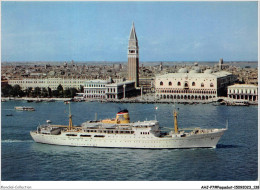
(133, 57)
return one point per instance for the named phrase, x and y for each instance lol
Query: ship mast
(175, 122)
(70, 119)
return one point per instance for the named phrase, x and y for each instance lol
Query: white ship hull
(207, 140)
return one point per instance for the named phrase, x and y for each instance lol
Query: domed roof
(195, 70)
(183, 70)
(208, 71)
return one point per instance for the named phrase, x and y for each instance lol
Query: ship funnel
(122, 117)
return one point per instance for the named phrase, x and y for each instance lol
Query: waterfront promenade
(145, 99)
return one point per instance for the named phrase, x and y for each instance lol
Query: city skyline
(99, 31)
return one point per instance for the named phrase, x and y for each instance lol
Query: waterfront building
(108, 89)
(133, 57)
(193, 85)
(243, 92)
(147, 83)
(51, 83)
(95, 89)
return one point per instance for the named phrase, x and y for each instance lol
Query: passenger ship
(121, 133)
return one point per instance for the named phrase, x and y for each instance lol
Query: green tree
(49, 92)
(37, 91)
(73, 92)
(60, 90)
(55, 93)
(28, 91)
(70, 92)
(66, 93)
(81, 88)
(44, 92)
(6, 90)
(17, 91)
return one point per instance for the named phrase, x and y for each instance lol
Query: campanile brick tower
(133, 57)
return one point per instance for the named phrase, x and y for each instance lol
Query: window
(179, 83)
(85, 135)
(170, 83)
(202, 84)
(193, 84)
(99, 136)
(211, 85)
(161, 83)
(72, 135)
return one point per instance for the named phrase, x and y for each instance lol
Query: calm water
(235, 157)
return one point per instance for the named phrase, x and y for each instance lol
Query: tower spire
(133, 57)
(133, 33)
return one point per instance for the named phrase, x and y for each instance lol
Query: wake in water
(16, 141)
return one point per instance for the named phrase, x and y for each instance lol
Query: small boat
(24, 108)
(242, 103)
(48, 121)
(29, 100)
(9, 115)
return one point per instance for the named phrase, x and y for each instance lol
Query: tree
(6, 90)
(55, 93)
(37, 91)
(73, 92)
(60, 90)
(28, 91)
(70, 92)
(49, 92)
(44, 92)
(17, 91)
(81, 88)
(66, 93)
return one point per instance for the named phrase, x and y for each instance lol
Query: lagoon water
(235, 158)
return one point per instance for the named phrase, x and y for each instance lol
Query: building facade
(107, 89)
(133, 57)
(193, 85)
(147, 83)
(243, 92)
(51, 83)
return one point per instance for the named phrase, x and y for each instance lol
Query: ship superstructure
(121, 133)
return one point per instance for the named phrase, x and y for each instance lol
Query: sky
(99, 31)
